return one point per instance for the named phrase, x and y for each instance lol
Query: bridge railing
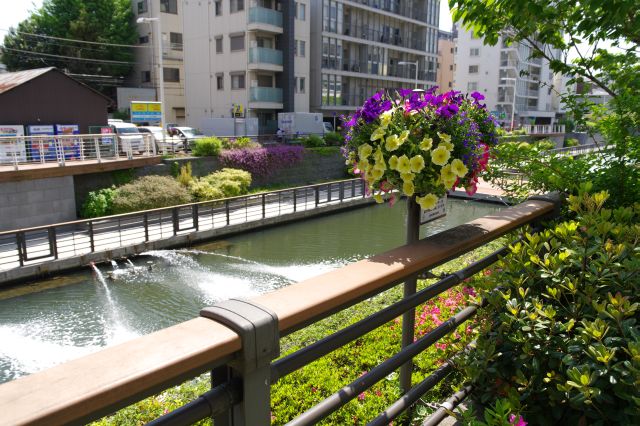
(29, 246)
(20, 151)
(542, 129)
(238, 341)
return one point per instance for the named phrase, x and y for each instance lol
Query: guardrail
(61, 149)
(238, 341)
(577, 150)
(41, 244)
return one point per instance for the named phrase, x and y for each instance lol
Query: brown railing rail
(95, 385)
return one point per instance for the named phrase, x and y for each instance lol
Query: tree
(46, 38)
(569, 25)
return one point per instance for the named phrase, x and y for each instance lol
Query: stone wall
(36, 202)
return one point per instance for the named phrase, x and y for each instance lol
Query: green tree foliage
(207, 147)
(101, 21)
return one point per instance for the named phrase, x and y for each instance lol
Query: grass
(306, 387)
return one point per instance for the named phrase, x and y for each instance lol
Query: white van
(128, 136)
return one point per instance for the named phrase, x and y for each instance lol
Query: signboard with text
(146, 112)
(439, 211)
(12, 149)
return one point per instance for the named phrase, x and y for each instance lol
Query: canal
(52, 321)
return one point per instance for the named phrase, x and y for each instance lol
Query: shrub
(571, 142)
(149, 192)
(98, 203)
(185, 176)
(207, 147)
(239, 143)
(333, 138)
(560, 339)
(313, 141)
(262, 161)
(221, 184)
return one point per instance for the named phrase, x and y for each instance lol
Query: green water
(79, 313)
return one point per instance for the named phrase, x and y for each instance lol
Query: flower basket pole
(410, 286)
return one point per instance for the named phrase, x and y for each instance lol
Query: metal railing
(71, 239)
(238, 341)
(364, 32)
(19, 151)
(541, 129)
(263, 15)
(264, 55)
(265, 94)
(570, 151)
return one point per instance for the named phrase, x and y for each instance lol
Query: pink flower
(356, 171)
(517, 422)
(441, 346)
(472, 189)
(362, 395)
(392, 200)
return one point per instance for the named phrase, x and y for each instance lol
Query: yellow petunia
(417, 163)
(408, 188)
(385, 118)
(364, 165)
(444, 137)
(377, 173)
(364, 151)
(404, 165)
(393, 162)
(377, 134)
(380, 165)
(392, 143)
(426, 144)
(458, 168)
(403, 136)
(440, 156)
(428, 202)
(407, 177)
(448, 145)
(378, 198)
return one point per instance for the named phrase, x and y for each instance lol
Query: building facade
(146, 71)
(515, 85)
(446, 64)
(359, 47)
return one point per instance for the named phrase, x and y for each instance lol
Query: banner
(70, 146)
(12, 150)
(146, 112)
(42, 147)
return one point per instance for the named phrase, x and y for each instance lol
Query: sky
(17, 10)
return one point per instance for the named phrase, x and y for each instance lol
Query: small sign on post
(440, 210)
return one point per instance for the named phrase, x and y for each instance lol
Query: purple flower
(405, 92)
(477, 96)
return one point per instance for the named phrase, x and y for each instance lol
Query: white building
(246, 60)
(145, 73)
(508, 77)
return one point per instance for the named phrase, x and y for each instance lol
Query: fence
(61, 149)
(542, 129)
(64, 240)
(238, 341)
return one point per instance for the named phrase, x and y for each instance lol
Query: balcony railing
(264, 55)
(263, 15)
(244, 335)
(266, 94)
(368, 34)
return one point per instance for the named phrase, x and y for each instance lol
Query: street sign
(146, 112)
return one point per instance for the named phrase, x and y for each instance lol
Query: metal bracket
(258, 329)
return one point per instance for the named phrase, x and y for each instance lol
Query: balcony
(264, 19)
(263, 58)
(265, 98)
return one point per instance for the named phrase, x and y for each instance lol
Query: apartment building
(246, 59)
(146, 72)
(513, 82)
(446, 64)
(359, 47)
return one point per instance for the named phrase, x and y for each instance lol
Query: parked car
(162, 140)
(188, 135)
(128, 136)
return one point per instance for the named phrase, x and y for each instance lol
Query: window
(452, 50)
(169, 6)
(450, 85)
(171, 75)
(473, 69)
(142, 7)
(300, 85)
(237, 81)
(218, 5)
(143, 39)
(220, 81)
(236, 5)
(176, 41)
(301, 11)
(472, 86)
(474, 51)
(145, 76)
(237, 42)
(299, 48)
(450, 67)
(219, 44)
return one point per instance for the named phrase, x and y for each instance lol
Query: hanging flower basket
(420, 144)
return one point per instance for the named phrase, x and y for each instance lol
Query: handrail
(90, 387)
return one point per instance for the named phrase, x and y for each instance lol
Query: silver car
(163, 142)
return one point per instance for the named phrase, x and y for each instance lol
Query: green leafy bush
(98, 203)
(333, 138)
(221, 184)
(149, 192)
(207, 147)
(560, 339)
(185, 176)
(571, 142)
(313, 141)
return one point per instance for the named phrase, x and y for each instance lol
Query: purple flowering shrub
(262, 162)
(420, 143)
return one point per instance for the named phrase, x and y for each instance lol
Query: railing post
(257, 327)
(145, 220)
(341, 191)
(264, 211)
(21, 245)
(194, 216)
(81, 149)
(226, 208)
(53, 244)
(353, 189)
(176, 223)
(41, 148)
(363, 188)
(295, 200)
(409, 317)
(15, 158)
(97, 147)
(317, 189)
(91, 240)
